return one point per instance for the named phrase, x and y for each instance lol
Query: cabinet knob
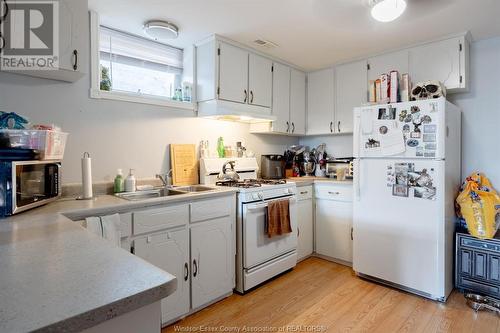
(186, 271)
(246, 96)
(4, 10)
(338, 126)
(195, 268)
(75, 60)
(331, 126)
(251, 96)
(287, 126)
(334, 193)
(304, 192)
(293, 127)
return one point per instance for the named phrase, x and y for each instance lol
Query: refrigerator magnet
(414, 109)
(400, 190)
(406, 128)
(402, 115)
(426, 119)
(383, 130)
(412, 143)
(429, 128)
(430, 154)
(415, 134)
(408, 118)
(419, 152)
(430, 146)
(429, 137)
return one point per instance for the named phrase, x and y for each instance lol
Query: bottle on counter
(220, 147)
(130, 183)
(119, 182)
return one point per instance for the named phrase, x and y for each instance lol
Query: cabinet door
(480, 265)
(305, 228)
(333, 229)
(233, 73)
(73, 20)
(170, 252)
(211, 256)
(465, 264)
(437, 61)
(320, 102)
(298, 102)
(351, 92)
(494, 268)
(281, 98)
(260, 80)
(385, 63)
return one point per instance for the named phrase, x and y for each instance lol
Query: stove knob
(255, 196)
(261, 196)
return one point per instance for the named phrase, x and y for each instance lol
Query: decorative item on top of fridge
(428, 90)
(479, 204)
(406, 181)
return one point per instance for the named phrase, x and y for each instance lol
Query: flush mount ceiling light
(387, 10)
(161, 30)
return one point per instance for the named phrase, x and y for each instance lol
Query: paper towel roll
(87, 176)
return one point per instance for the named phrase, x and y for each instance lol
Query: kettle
(228, 172)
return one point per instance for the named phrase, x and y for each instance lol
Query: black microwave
(28, 184)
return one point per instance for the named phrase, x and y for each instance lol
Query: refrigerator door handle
(357, 177)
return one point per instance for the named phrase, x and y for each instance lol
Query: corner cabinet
(288, 103)
(73, 42)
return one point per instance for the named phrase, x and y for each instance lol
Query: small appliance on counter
(272, 166)
(28, 184)
(340, 168)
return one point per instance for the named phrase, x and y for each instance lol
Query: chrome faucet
(166, 179)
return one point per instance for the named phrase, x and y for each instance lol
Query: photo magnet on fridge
(400, 190)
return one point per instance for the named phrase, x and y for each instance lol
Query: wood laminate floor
(321, 296)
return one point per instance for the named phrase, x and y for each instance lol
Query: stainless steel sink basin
(157, 193)
(194, 188)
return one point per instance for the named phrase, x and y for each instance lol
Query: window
(130, 64)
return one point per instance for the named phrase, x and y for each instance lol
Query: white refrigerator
(406, 177)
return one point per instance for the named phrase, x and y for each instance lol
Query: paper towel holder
(86, 174)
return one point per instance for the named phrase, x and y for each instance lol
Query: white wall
(480, 116)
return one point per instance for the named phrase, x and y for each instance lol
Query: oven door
(257, 246)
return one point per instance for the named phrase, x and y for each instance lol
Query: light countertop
(56, 276)
(309, 180)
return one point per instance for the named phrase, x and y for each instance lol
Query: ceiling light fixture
(387, 10)
(161, 30)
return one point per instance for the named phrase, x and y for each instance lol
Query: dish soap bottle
(130, 182)
(118, 184)
(220, 147)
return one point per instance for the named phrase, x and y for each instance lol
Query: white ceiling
(310, 33)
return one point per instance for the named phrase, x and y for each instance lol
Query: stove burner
(249, 183)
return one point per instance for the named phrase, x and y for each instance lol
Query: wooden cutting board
(184, 164)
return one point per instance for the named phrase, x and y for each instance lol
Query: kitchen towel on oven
(278, 218)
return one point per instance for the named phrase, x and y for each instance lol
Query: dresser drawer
(160, 218)
(474, 286)
(333, 192)
(304, 192)
(210, 209)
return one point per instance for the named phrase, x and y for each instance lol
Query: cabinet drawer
(472, 285)
(334, 192)
(209, 209)
(479, 244)
(160, 218)
(304, 192)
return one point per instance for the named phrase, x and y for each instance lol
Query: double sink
(164, 192)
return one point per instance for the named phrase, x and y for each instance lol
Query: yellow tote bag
(479, 205)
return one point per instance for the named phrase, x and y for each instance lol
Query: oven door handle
(264, 203)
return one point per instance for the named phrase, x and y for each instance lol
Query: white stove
(258, 258)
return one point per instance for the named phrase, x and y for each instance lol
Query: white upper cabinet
(281, 98)
(73, 41)
(438, 61)
(233, 73)
(297, 102)
(385, 63)
(351, 92)
(260, 80)
(320, 102)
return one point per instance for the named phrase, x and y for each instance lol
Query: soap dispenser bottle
(119, 182)
(130, 182)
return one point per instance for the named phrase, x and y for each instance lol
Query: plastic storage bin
(50, 144)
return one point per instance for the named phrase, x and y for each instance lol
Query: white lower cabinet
(169, 251)
(198, 249)
(334, 221)
(211, 261)
(305, 222)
